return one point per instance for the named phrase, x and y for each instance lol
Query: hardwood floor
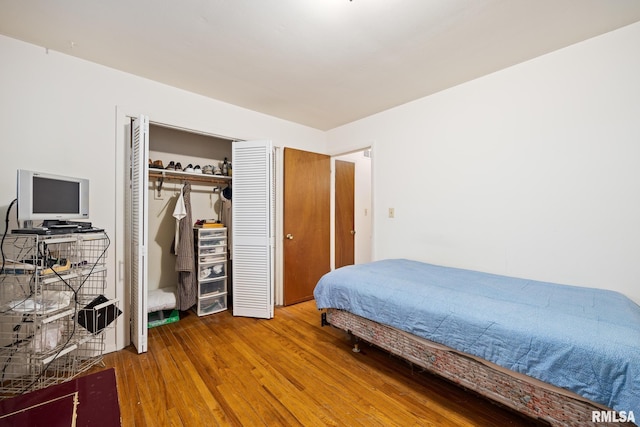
(225, 370)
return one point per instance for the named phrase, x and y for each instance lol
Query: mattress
(581, 339)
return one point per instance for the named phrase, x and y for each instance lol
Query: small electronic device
(49, 197)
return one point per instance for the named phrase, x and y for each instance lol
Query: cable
(4, 259)
(16, 342)
(6, 230)
(11, 307)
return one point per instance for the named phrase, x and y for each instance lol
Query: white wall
(533, 171)
(63, 115)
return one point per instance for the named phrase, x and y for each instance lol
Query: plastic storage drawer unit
(211, 247)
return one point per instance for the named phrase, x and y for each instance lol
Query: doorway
(136, 224)
(362, 207)
(344, 213)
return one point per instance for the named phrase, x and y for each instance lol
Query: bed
(565, 354)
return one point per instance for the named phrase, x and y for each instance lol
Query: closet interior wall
(167, 144)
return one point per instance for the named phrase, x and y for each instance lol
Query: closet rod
(161, 176)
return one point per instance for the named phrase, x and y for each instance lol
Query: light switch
(392, 213)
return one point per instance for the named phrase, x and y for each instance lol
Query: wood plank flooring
(287, 371)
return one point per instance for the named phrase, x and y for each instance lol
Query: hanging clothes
(179, 212)
(185, 260)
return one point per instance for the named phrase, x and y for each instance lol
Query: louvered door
(139, 232)
(253, 215)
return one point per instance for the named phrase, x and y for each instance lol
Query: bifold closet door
(253, 227)
(139, 231)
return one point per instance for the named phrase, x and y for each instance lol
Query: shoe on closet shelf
(208, 169)
(197, 169)
(178, 166)
(171, 166)
(157, 164)
(189, 168)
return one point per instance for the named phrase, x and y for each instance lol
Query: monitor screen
(55, 196)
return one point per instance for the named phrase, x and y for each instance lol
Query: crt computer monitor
(48, 197)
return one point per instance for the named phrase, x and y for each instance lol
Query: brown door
(306, 246)
(345, 223)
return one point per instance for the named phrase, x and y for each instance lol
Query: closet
(153, 196)
(164, 187)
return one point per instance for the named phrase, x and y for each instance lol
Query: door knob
(290, 236)
(353, 232)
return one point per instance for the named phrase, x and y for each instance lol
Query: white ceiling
(321, 63)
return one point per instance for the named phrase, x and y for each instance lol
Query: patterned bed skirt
(524, 394)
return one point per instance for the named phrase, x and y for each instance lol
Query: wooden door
(306, 217)
(344, 214)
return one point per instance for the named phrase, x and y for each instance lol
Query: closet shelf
(162, 175)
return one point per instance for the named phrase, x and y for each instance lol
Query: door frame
(371, 212)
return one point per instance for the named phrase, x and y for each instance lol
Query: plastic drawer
(214, 241)
(212, 232)
(212, 250)
(212, 270)
(214, 287)
(212, 305)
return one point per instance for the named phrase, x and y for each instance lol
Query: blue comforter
(581, 339)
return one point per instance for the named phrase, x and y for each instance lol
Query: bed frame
(524, 394)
